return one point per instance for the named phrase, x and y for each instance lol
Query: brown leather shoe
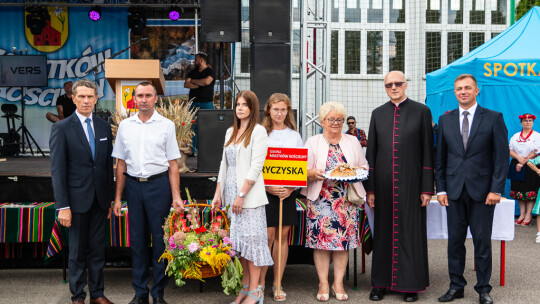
(100, 300)
(78, 301)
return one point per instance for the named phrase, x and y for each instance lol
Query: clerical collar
(399, 103)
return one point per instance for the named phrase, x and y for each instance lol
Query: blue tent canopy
(507, 69)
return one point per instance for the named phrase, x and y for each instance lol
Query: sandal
(260, 298)
(242, 292)
(282, 294)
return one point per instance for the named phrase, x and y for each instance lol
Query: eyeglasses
(332, 120)
(391, 84)
(351, 122)
(279, 111)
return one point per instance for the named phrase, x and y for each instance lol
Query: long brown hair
(253, 105)
(267, 123)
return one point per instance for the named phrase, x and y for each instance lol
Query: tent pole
(512, 12)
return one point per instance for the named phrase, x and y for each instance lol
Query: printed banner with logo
(285, 167)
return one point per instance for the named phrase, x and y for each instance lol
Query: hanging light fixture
(94, 13)
(136, 20)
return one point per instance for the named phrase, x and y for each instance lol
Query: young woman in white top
(280, 126)
(524, 146)
(240, 185)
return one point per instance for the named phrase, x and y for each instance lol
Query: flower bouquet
(197, 251)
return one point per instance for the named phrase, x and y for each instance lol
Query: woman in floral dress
(332, 224)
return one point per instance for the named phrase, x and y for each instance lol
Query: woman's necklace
(524, 139)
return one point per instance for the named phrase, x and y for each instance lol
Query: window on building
(352, 52)
(296, 10)
(478, 12)
(454, 46)
(375, 11)
(245, 52)
(476, 39)
(334, 43)
(397, 11)
(296, 51)
(433, 11)
(396, 51)
(335, 10)
(352, 11)
(498, 11)
(245, 10)
(374, 52)
(433, 51)
(455, 11)
(494, 34)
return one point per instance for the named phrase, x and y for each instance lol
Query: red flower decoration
(200, 230)
(183, 123)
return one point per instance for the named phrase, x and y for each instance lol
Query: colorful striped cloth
(25, 222)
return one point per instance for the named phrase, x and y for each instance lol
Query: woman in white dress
(240, 185)
(281, 128)
(524, 146)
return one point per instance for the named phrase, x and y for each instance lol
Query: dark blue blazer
(77, 179)
(481, 166)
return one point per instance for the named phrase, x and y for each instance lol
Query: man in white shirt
(471, 162)
(82, 178)
(146, 150)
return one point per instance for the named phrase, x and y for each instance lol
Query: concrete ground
(22, 286)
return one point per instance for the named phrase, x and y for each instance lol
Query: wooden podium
(123, 76)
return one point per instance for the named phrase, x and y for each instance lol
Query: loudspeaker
(220, 21)
(270, 70)
(212, 126)
(270, 21)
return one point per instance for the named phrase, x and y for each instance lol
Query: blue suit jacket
(482, 165)
(77, 179)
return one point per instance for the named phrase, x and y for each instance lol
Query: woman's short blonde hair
(331, 106)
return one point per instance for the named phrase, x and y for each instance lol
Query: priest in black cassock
(400, 186)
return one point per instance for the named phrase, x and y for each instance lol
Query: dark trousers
(479, 216)
(87, 250)
(148, 204)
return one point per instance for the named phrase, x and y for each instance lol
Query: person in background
(200, 82)
(64, 104)
(331, 220)
(523, 147)
(83, 184)
(240, 185)
(281, 128)
(358, 133)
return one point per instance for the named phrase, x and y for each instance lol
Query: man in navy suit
(471, 163)
(82, 177)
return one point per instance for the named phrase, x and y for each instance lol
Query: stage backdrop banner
(74, 44)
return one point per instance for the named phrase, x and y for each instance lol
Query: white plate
(361, 175)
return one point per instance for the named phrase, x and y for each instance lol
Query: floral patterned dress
(332, 221)
(248, 229)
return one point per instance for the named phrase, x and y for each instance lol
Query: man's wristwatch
(241, 194)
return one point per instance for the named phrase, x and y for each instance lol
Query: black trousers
(149, 204)
(461, 214)
(87, 250)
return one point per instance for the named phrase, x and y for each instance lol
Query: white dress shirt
(471, 111)
(82, 118)
(146, 147)
(286, 138)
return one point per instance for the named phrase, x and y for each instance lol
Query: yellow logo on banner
(55, 33)
(127, 98)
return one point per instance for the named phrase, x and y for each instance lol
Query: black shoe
(485, 298)
(377, 294)
(159, 300)
(410, 297)
(450, 295)
(137, 300)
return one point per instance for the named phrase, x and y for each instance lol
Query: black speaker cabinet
(212, 126)
(220, 21)
(270, 70)
(270, 21)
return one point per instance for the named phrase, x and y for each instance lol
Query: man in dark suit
(82, 177)
(470, 172)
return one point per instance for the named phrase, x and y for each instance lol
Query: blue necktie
(91, 139)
